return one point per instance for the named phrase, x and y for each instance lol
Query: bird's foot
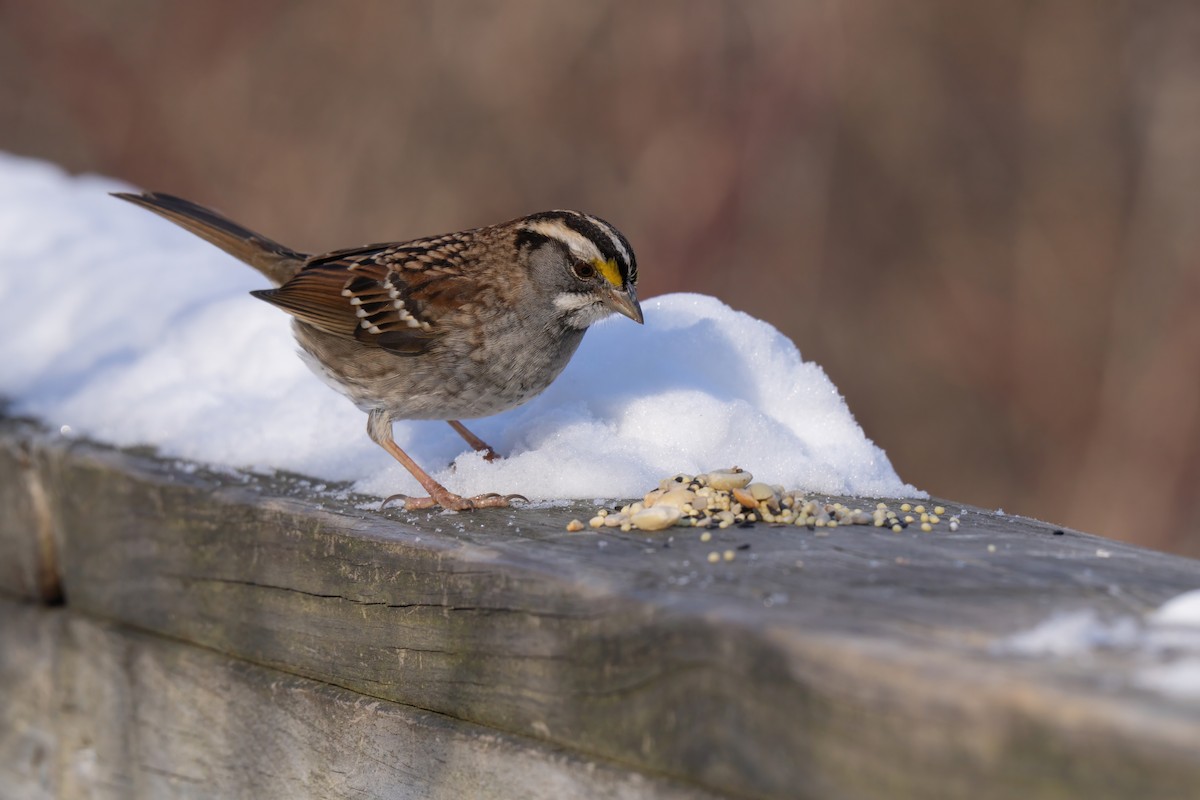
(453, 502)
(479, 445)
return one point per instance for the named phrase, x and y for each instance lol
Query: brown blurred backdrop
(982, 219)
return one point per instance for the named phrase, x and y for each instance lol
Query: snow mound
(117, 325)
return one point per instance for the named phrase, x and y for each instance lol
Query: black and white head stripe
(589, 238)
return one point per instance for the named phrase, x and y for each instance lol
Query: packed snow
(1164, 644)
(118, 326)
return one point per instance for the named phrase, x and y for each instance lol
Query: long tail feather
(276, 262)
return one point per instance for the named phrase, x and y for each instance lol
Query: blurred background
(982, 220)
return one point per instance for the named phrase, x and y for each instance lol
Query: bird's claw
(453, 502)
(389, 499)
(507, 497)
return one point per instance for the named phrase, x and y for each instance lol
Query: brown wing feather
(383, 296)
(315, 297)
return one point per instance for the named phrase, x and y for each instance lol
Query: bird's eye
(583, 270)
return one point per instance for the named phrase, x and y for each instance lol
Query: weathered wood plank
(29, 714)
(851, 664)
(28, 558)
(95, 710)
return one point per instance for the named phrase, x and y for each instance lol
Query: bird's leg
(379, 428)
(478, 444)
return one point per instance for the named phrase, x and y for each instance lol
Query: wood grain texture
(29, 713)
(28, 541)
(853, 664)
(96, 710)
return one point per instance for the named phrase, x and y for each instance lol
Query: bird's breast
(458, 378)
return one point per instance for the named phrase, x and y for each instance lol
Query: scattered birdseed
(714, 557)
(731, 497)
(574, 525)
(729, 555)
(991, 548)
(656, 518)
(727, 479)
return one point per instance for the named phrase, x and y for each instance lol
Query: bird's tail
(272, 259)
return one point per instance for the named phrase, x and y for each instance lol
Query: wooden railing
(169, 631)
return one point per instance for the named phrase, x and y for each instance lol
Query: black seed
(745, 546)
(1058, 532)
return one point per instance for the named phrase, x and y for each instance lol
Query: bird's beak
(624, 301)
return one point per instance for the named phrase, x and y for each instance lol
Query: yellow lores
(609, 270)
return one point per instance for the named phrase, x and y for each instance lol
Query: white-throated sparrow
(457, 326)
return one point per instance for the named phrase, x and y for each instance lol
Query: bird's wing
(389, 296)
